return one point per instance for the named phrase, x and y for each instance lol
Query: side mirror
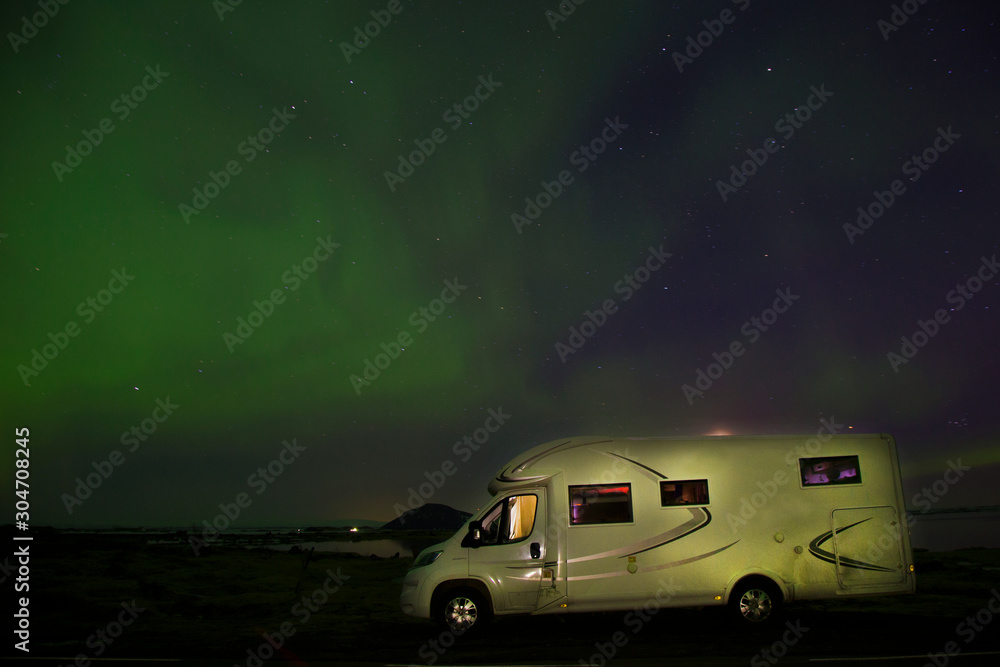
(474, 536)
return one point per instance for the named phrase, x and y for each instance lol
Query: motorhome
(600, 524)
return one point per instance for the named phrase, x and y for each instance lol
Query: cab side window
(511, 520)
(491, 525)
(521, 517)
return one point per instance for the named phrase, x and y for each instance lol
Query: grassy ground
(220, 604)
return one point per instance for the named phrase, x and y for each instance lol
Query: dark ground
(219, 605)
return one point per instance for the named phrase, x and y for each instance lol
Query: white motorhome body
(598, 523)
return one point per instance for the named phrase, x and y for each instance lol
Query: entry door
(511, 556)
(868, 546)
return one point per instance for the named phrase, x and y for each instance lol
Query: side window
(829, 470)
(491, 525)
(687, 492)
(600, 503)
(511, 520)
(521, 510)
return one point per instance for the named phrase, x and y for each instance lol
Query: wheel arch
(447, 587)
(758, 576)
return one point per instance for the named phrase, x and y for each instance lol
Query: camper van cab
(603, 524)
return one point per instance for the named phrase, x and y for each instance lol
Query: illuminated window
(830, 470)
(511, 520)
(521, 510)
(600, 503)
(687, 492)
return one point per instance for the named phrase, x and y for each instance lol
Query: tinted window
(686, 492)
(828, 470)
(600, 503)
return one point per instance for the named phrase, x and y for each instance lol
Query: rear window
(600, 503)
(830, 470)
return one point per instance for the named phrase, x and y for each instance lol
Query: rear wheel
(756, 601)
(463, 610)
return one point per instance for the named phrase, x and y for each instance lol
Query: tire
(462, 611)
(755, 602)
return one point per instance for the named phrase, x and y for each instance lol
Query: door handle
(536, 550)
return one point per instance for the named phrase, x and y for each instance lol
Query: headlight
(427, 558)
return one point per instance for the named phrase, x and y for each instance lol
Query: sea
(948, 530)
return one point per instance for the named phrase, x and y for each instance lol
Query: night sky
(235, 237)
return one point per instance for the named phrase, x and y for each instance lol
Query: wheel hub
(755, 605)
(462, 613)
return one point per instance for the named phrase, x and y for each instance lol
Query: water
(943, 531)
(956, 530)
(379, 548)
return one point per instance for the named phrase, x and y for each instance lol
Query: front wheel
(463, 610)
(755, 602)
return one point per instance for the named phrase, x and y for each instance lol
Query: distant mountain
(352, 523)
(430, 516)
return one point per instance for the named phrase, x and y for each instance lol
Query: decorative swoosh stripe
(826, 556)
(692, 559)
(663, 566)
(505, 477)
(696, 522)
(707, 520)
(659, 475)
